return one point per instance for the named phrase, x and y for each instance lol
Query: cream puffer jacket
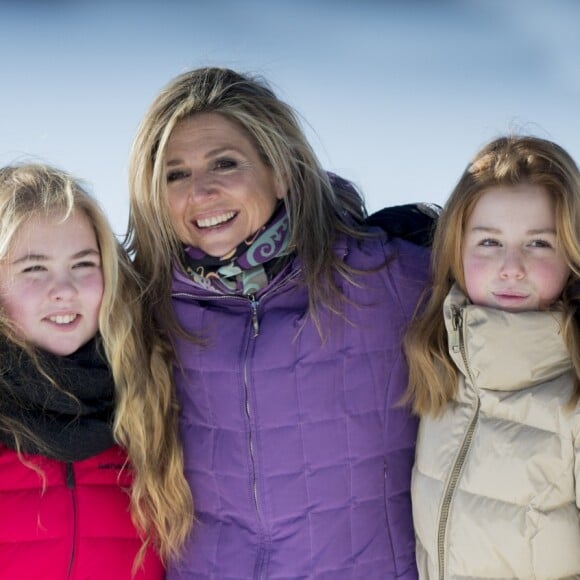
(496, 483)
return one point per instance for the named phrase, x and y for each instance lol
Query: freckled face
(219, 190)
(51, 283)
(511, 256)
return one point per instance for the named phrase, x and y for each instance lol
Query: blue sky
(395, 95)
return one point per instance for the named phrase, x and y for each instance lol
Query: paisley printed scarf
(243, 270)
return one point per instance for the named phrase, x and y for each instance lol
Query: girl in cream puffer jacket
(498, 471)
(494, 490)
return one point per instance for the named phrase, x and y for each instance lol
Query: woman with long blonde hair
(286, 315)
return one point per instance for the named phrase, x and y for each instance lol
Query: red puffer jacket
(78, 527)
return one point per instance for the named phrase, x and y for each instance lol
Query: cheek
(176, 205)
(8, 308)
(473, 270)
(90, 288)
(174, 208)
(263, 210)
(96, 287)
(176, 212)
(476, 276)
(17, 307)
(551, 278)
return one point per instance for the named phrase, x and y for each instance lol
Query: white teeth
(215, 220)
(63, 318)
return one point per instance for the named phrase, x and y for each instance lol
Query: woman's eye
(225, 163)
(488, 242)
(176, 175)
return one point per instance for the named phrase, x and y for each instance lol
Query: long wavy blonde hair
(146, 410)
(317, 213)
(506, 161)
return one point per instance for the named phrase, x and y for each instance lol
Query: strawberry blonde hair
(504, 162)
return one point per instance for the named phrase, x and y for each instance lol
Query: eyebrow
(533, 232)
(32, 257)
(212, 153)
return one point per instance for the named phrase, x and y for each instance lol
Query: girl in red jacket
(68, 352)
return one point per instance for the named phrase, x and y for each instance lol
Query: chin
(64, 350)
(220, 252)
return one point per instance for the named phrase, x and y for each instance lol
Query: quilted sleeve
(408, 273)
(406, 279)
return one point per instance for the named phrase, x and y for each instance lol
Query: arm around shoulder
(408, 267)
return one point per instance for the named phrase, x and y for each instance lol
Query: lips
(215, 220)
(510, 294)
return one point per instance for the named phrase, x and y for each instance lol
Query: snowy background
(395, 95)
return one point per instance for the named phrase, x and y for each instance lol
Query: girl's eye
(86, 264)
(176, 175)
(489, 242)
(35, 268)
(540, 244)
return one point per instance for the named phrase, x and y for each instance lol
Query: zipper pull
(457, 323)
(254, 307)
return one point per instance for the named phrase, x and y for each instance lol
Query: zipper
(255, 324)
(70, 483)
(254, 303)
(254, 309)
(255, 330)
(252, 450)
(456, 337)
(457, 344)
(248, 417)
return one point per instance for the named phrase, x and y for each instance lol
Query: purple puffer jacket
(297, 452)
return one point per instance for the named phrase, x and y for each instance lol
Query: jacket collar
(181, 282)
(505, 351)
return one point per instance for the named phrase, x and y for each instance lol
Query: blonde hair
(146, 410)
(504, 162)
(316, 212)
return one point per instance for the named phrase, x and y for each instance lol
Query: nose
(62, 288)
(201, 186)
(513, 265)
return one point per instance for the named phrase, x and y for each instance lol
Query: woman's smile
(217, 220)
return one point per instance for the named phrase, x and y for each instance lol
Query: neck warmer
(69, 423)
(243, 270)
